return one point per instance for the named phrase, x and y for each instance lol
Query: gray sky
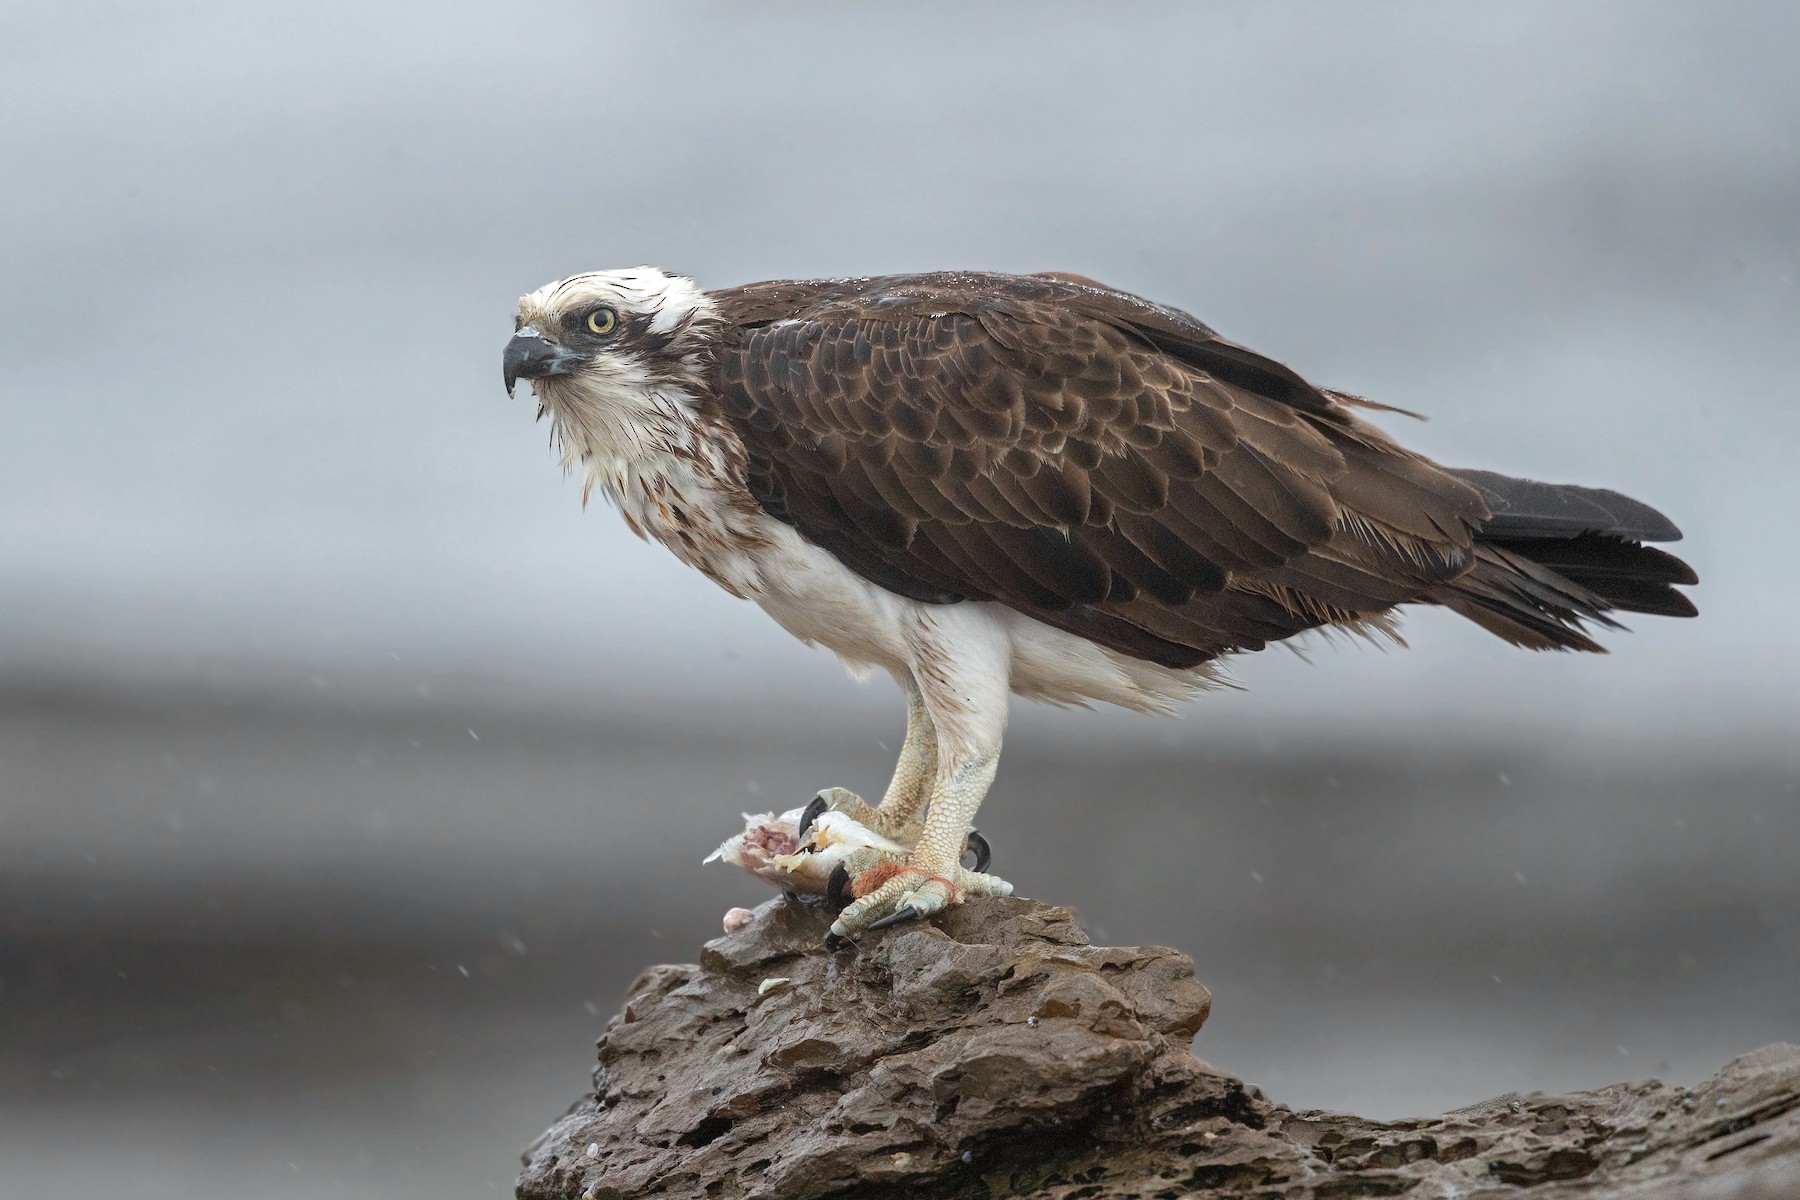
(260, 262)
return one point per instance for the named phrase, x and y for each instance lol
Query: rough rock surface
(995, 1053)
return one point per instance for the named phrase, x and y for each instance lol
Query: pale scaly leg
(900, 817)
(961, 662)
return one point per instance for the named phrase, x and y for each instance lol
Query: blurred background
(349, 770)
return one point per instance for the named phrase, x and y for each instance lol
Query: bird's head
(607, 339)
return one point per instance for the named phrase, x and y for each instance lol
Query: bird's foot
(882, 820)
(884, 890)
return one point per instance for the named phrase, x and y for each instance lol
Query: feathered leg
(961, 666)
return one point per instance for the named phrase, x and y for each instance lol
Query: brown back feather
(1107, 465)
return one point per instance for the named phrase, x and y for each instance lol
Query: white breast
(676, 499)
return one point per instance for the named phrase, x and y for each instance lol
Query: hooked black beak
(531, 355)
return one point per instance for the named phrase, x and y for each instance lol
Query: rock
(995, 1053)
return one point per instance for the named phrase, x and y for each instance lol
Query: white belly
(820, 601)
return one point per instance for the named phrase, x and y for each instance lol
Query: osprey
(988, 484)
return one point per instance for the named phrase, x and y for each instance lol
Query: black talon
(834, 943)
(837, 888)
(979, 846)
(807, 816)
(905, 912)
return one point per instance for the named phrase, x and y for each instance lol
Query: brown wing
(1106, 465)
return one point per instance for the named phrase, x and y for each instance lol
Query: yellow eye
(602, 320)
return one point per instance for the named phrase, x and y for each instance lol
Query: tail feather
(1631, 576)
(1555, 559)
(1514, 598)
(1525, 508)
